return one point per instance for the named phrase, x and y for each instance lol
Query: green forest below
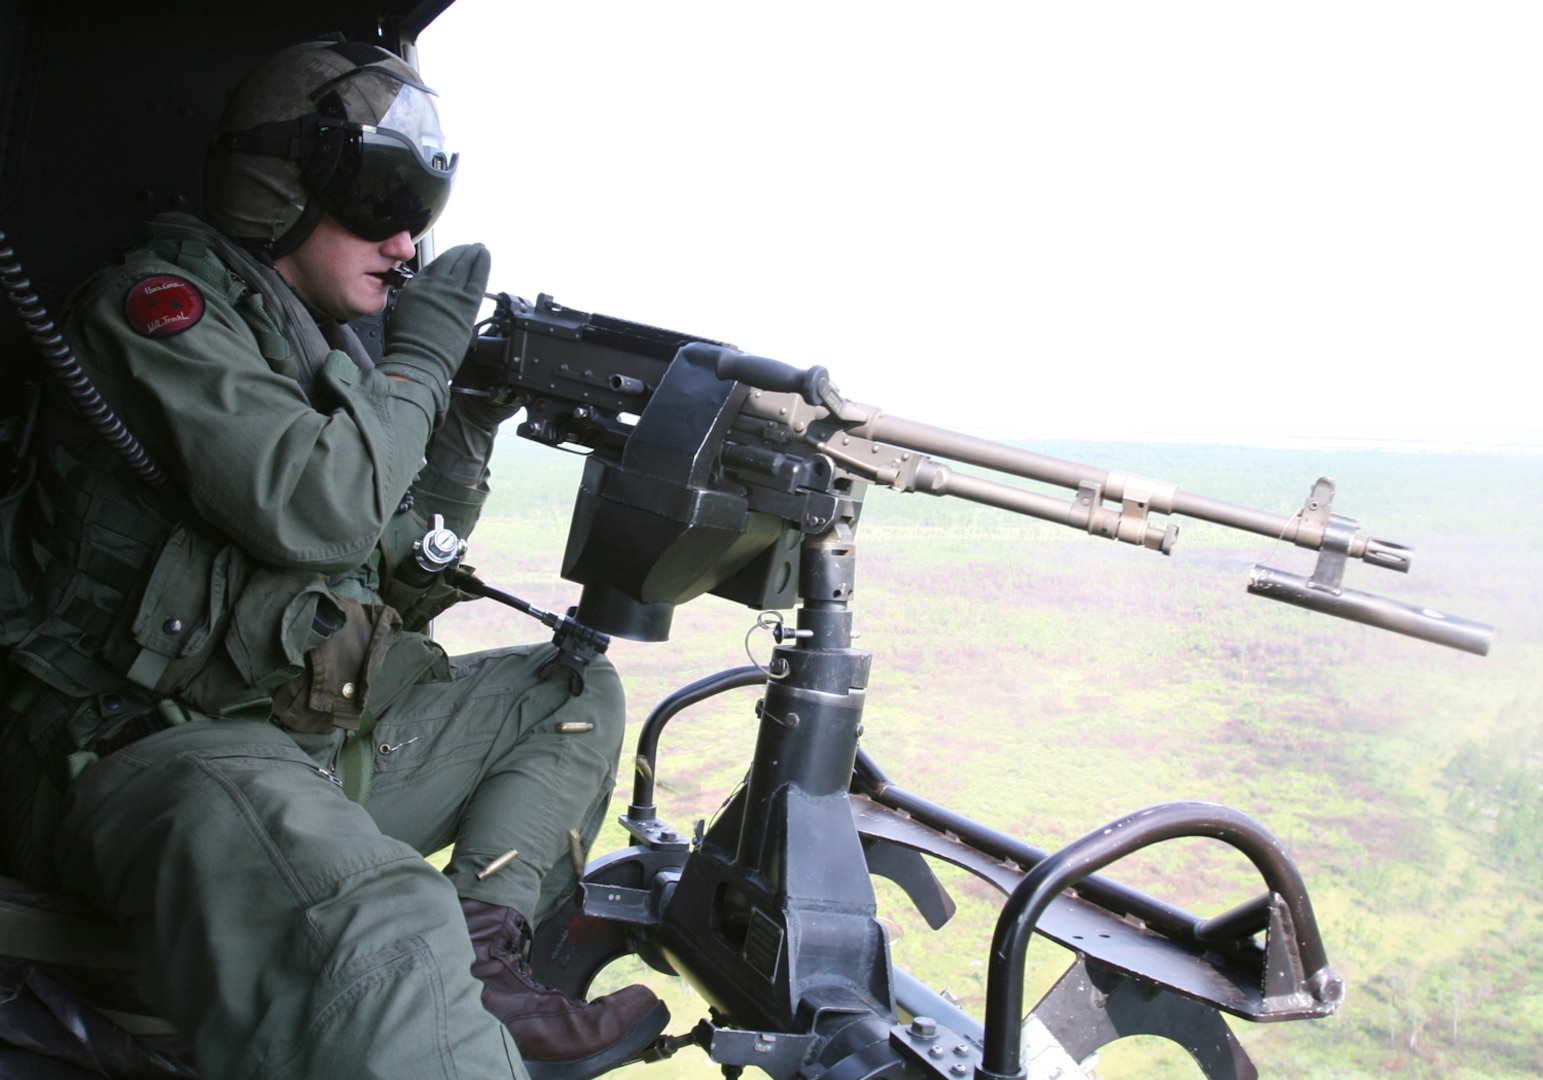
(1045, 682)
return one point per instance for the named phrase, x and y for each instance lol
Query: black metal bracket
(1297, 983)
(1093, 1004)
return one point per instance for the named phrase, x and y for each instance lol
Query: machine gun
(710, 471)
(707, 464)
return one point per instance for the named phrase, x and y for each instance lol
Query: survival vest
(134, 600)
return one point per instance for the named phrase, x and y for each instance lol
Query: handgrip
(762, 372)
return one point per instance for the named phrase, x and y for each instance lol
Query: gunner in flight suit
(231, 733)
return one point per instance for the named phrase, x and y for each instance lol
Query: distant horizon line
(1454, 444)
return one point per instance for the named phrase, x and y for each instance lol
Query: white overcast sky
(1317, 221)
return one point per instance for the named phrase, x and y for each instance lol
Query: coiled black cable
(60, 360)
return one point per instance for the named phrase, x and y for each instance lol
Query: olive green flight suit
(272, 877)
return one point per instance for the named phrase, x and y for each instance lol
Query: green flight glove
(430, 326)
(463, 442)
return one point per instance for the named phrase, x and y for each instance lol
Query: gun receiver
(708, 464)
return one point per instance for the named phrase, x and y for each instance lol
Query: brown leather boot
(559, 1038)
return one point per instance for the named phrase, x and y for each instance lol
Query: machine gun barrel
(896, 452)
(1315, 527)
(840, 421)
(1157, 496)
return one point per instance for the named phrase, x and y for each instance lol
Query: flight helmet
(334, 127)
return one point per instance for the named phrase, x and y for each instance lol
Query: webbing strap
(147, 668)
(137, 1023)
(356, 761)
(271, 303)
(58, 937)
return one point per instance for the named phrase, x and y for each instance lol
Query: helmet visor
(396, 175)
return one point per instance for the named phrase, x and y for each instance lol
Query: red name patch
(162, 306)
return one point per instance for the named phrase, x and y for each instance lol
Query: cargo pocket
(180, 614)
(280, 617)
(360, 668)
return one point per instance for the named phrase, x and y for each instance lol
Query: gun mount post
(774, 915)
